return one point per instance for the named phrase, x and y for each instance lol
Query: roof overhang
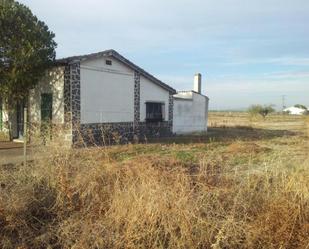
(119, 57)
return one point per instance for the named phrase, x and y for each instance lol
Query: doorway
(20, 119)
(46, 115)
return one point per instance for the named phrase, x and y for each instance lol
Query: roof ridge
(121, 58)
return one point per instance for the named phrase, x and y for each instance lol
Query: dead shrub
(87, 199)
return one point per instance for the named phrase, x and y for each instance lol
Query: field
(243, 185)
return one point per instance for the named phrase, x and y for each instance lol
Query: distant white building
(295, 110)
(191, 109)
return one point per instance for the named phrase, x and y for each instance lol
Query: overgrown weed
(153, 196)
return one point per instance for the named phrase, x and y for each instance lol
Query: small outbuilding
(191, 109)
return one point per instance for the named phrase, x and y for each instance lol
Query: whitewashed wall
(107, 92)
(152, 92)
(5, 117)
(52, 82)
(190, 113)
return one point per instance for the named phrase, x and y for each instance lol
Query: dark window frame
(108, 62)
(155, 112)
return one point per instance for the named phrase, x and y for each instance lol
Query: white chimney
(197, 83)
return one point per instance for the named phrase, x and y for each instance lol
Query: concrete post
(25, 136)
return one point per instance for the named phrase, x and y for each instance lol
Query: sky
(248, 51)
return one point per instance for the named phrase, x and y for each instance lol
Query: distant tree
(27, 49)
(301, 106)
(261, 110)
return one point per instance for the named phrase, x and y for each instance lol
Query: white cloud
(239, 91)
(238, 43)
(285, 61)
(145, 24)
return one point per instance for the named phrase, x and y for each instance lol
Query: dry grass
(4, 137)
(238, 192)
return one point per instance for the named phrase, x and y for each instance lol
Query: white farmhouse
(295, 110)
(92, 96)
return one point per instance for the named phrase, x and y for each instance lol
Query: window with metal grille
(154, 112)
(108, 62)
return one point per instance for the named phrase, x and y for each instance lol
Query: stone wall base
(151, 130)
(118, 133)
(55, 134)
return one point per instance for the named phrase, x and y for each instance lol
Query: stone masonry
(109, 133)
